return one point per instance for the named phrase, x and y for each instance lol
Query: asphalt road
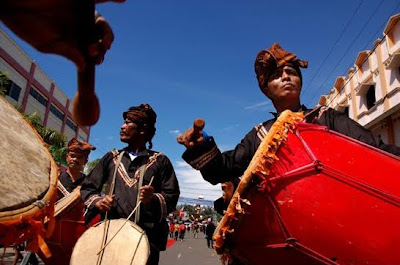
(190, 251)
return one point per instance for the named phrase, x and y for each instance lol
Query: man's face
(284, 84)
(130, 131)
(76, 160)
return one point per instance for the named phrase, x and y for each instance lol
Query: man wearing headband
(77, 157)
(279, 78)
(143, 175)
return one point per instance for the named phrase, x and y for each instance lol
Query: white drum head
(130, 246)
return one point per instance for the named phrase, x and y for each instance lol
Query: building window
(13, 90)
(71, 125)
(36, 95)
(370, 96)
(56, 112)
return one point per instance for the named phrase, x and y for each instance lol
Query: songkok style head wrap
(145, 117)
(273, 58)
(77, 146)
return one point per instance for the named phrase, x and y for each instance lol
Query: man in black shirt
(279, 78)
(143, 175)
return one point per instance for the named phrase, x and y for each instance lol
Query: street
(190, 251)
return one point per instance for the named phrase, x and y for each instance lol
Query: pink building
(33, 91)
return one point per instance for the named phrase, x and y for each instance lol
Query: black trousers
(154, 256)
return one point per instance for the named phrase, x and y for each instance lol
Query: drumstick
(86, 108)
(198, 125)
(127, 219)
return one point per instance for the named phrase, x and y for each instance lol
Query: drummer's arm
(165, 199)
(217, 167)
(92, 186)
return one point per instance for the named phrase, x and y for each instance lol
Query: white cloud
(175, 132)
(265, 105)
(192, 183)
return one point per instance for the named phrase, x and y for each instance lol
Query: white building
(370, 93)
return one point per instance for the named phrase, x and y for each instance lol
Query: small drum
(129, 246)
(312, 196)
(28, 184)
(69, 226)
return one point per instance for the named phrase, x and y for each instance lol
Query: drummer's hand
(146, 194)
(105, 203)
(97, 50)
(51, 27)
(191, 139)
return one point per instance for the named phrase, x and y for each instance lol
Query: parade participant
(279, 78)
(51, 27)
(139, 165)
(77, 157)
(209, 233)
(182, 230)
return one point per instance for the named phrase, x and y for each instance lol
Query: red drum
(70, 225)
(318, 198)
(28, 185)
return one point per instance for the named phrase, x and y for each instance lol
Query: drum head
(129, 246)
(24, 162)
(68, 202)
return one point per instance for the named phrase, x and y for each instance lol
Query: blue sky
(191, 59)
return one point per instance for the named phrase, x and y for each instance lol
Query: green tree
(55, 141)
(91, 165)
(4, 83)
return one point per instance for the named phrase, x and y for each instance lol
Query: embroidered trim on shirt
(152, 159)
(123, 173)
(91, 199)
(163, 205)
(261, 131)
(322, 110)
(61, 188)
(205, 158)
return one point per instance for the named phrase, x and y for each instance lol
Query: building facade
(32, 90)
(370, 93)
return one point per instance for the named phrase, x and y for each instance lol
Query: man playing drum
(279, 78)
(143, 175)
(77, 157)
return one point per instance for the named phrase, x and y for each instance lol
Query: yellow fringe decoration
(259, 166)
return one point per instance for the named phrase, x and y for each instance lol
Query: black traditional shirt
(166, 190)
(217, 167)
(66, 185)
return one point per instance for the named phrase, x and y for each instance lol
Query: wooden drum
(129, 247)
(69, 226)
(313, 196)
(28, 185)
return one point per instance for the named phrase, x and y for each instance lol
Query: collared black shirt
(166, 190)
(65, 179)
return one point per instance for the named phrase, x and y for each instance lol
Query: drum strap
(142, 170)
(112, 186)
(106, 223)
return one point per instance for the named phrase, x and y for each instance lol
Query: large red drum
(69, 226)
(324, 199)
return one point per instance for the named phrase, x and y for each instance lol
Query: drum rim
(33, 210)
